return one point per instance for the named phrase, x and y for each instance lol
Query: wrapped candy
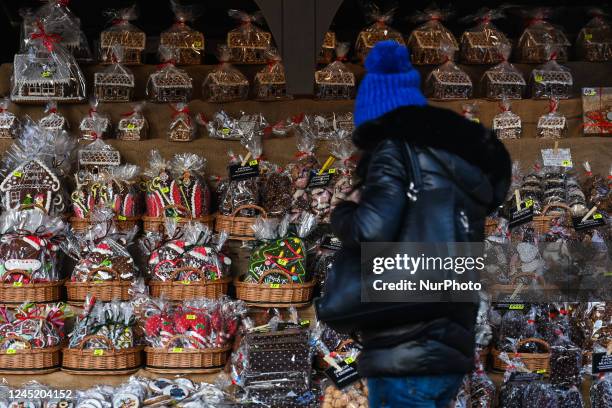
(552, 125)
(539, 35)
(601, 391)
(321, 189)
(551, 80)
(379, 31)
(282, 258)
(512, 390)
(182, 128)
(133, 125)
(540, 394)
(354, 396)
(225, 83)
(326, 53)
(190, 255)
(169, 83)
(507, 124)
(569, 398)
(53, 121)
(324, 126)
(189, 191)
(565, 362)
(276, 190)
(45, 70)
(10, 126)
(594, 42)
(29, 246)
(335, 80)
(116, 82)
(158, 179)
(512, 328)
(32, 326)
(248, 43)
(95, 124)
(448, 81)
(300, 171)
(225, 127)
(425, 41)
(503, 80)
(270, 83)
(123, 33)
(59, 21)
(479, 44)
(187, 43)
(482, 389)
(97, 157)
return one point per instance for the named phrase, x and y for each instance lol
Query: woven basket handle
(548, 207)
(178, 208)
(263, 212)
(32, 206)
(534, 340)
(104, 269)
(192, 270)
(523, 275)
(276, 271)
(91, 337)
(21, 272)
(175, 338)
(12, 337)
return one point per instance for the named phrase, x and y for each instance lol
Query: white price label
(559, 158)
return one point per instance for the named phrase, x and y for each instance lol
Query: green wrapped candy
(286, 254)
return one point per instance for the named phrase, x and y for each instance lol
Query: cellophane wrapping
(182, 128)
(378, 31)
(426, 40)
(304, 164)
(181, 37)
(479, 43)
(133, 125)
(335, 80)
(270, 83)
(552, 125)
(225, 83)
(122, 32)
(35, 325)
(594, 42)
(503, 80)
(115, 83)
(448, 81)
(248, 43)
(507, 124)
(169, 84)
(551, 80)
(96, 124)
(10, 125)
(538, 36)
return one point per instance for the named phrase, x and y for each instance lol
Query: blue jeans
(428, 391)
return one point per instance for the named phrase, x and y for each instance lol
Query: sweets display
(503, 80)
(551, 80)
(169, 83)
(597, 110)
(32, 326)
(53, 121)
(95, 124)
(270, 82)
(225, 83)
(182, 128)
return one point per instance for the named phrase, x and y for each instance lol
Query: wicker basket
(101, 361)
(185, 360)
(186, 289)
(157, 224)
(123, 223)
(16, 293)
(28, 360)
(542, 222)
(274, 294)
(104, 291)
(535, 362)
(239, 228)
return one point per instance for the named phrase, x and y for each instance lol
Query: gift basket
(326, 53)
(534, 42)
(182, 128)
(104, 269)
(479, 44)
(31, 338)
(30, 257)
(551, 79)
(116, 82)
(248, 43)
(448, 81)
(10, 126)
(335, 80)
(270, 83)
(277, 275)
(61, 22)
(379, 31)
(133, 125)
(53, 121)
(507, 124)
(169, 83)
(552, 125)
(187, 43)
(125, 34)
(96, 124)
(225, 83)
(594, 42)
(188, 264)
(176, 190)
(239, 194)
(503, 80)
(193, 337)
(425, 41)
(102, 341)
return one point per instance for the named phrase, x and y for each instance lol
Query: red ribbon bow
(47, 39)
(130, 113)
(341, 58)
(92, 111)
(166, 63)
(184, 110)
(599, 120)
(118, 21)
(553, 105)
(63, 3)
(553, 56)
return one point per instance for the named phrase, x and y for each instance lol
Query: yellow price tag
(17, 173)
(590, 92)
(275, 285)
(165, 189)
(17, 284)
(566, 163)
(596, 216)
(332, 171)
(11, 351)
(225, 131)
(98, 352)
(588, 37)
(186, 282)
(608, 274)
(46, 74)
(516, 307)
(349, 360)
(190, 317)
(252, 162)
(121, 217)
(528, 203)
(539, 78)
(282, 262)
(177, 349)
(304, 322)
(98, 281)
(197, 44)
(131, 126)
(476, 120)
(542, 371)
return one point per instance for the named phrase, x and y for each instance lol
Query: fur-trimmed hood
(444, 130)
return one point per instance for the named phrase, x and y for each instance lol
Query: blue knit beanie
(390, 82)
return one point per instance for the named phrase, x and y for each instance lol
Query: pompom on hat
(390, 82)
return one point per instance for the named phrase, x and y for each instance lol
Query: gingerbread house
(425, 44)
(32, 183)
(9, 125)
(534, 44)
(547, 83)
(98, 156)
(368, 37)
(225, 84)
(326, 53)
(270, 83)
(594, 42)
(248, 44)
(181, 129)
(37, 80)
(551, 126)
(53, 122)
(133, 127)
(169, 84)
(114, 86)
(507, 125)
(449, 82)
(132, 41)
(503, 83)
(187, 43)
(95, 126)
(480, 46)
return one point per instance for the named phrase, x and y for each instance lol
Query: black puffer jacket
(436, 338)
